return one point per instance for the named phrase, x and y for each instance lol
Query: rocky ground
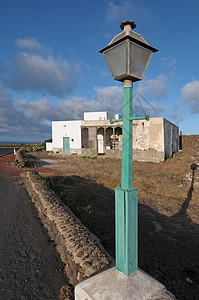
(168, 208)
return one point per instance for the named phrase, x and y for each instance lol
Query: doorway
(100, 143)
(66, 145)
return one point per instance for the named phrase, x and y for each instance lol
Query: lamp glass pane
(139, 60)
(117, 60)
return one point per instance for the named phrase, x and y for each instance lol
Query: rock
(188, 280)
(66, 293)
(164, 294)
(20, 161)
(82, 253)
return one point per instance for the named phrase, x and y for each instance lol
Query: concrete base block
(113, 285)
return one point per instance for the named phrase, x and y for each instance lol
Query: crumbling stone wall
(79, 249)
(21, 161)
(191, 178)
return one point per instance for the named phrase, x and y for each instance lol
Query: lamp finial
(133, 25)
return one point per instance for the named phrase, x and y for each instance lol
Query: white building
(153, 140)
(72, 130)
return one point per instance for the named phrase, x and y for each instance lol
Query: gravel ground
(30, 267)
(168, 210)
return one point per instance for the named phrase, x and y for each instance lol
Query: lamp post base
(112, 284)
(126, 230)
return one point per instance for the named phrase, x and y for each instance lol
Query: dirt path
(30, 267)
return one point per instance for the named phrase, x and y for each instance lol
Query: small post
(180, 141)
(113, 138)
(14, 151)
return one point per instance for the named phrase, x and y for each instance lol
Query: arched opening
(100, 140)
(109, 133)
(116, 139)
(84, 133)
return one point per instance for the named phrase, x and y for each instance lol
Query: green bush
(38, 148)
(32, 148)
(28, 149)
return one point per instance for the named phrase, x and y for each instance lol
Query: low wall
(148, 156)
(191, 179)
(75, 151)
(88, 152)
(144, 156)
(21, 161)
(113, 153)
(79, 249)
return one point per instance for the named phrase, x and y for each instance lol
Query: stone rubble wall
(21, 161)
(191, 178)
(79, 249)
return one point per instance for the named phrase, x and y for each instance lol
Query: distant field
(18, 145)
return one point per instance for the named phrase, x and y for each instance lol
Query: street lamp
(127, 56)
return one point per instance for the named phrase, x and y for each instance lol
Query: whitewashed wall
(71, 129)
(154, 140)
(148, 135)
(100, 115)
(49, 146)
(171, 138)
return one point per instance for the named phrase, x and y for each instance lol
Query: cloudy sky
(50, 67)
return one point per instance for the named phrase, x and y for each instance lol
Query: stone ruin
(192, 174)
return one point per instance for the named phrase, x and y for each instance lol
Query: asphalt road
(30, 267)
(5, 151)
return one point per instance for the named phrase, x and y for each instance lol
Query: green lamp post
(127, 56)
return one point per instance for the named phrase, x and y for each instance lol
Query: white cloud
(117, 11)
(37, 110)
(29, 44)
(32, 119)
(142, 107)
(75, 107)
(110, 98)
(170, 63)
(124, 10)
(36, 69)
(37, 73)
(176, 116)
(153, 89)
(104, 73)
(7, 110)
(16, 124)
(190, 93)
(147, 94)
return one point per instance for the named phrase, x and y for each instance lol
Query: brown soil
(168, 211)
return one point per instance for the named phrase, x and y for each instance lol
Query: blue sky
(50, 67)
